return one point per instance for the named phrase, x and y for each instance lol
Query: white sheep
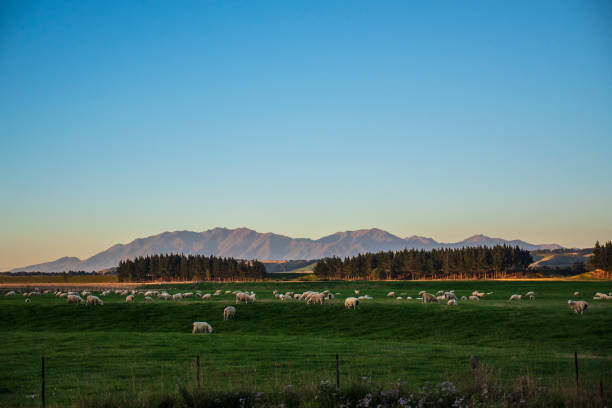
(28, 300)
(351, 303)
(578, 306)
(398, 298)
(188, 295)
(429, 298)
(94, 300)
(477, 293)
(244, 297)
(408, 297)
(177, 296)
(475, 298)
(357, 291)
(10, 293)
(576, 293)
(391, 294)
(315, 298)
(464, 298)
(515, 298)
(148, 299)
(452, 302)
(529, 294)
(229, 313)
(201, 327)
(75, 299)
(129, 299)
(206, 296)
(217, 292)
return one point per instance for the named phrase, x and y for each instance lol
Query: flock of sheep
(309, 297)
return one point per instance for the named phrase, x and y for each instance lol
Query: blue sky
(125, 119)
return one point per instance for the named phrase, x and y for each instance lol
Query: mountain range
(243, 243)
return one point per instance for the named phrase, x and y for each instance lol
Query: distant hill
(243, 243)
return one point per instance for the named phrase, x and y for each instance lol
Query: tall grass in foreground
(478, 389)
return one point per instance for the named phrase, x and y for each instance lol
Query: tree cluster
(464, 263)
(175, 267)
(602, 256)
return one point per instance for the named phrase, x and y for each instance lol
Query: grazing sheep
(28, 300)
(528, 294)
(275, 292)
(217, 292)
(576, 293)
(578, 306)
(129, 299)
(474, 297)
(206, 296)
(391, 294)
(429, 298)
(441, 297)
(602, 296)
(187, 295)
(289, 294)
(408, 297)
(356, 291)
(201, 327)
(531, 297)
(452, 302)
(398, 298)
(177, 296)
(421, 292)
(94, 300)
(10, 293)
(229, 313)
(85, 293)
(489, 293)
(244, 297)
(165, 296)
(464, 298)
(477, 293)
(75, 299)
(148, 299)
(440, 293)
(515, 298)
(316, 298)
(450, 295)
(351, 303)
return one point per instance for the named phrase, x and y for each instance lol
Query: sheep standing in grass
(578, 306)
(391, 294)
(207, 296)
(356, 291)
(148, 299)
(452, 302)
(398, 298)
(94, 300)
(217, 292)
(576, 293)
(316, 298)
(475, 298)
(187, 294)
(351, 303)
(28, 300)
(129, 299)
(201, 327)
(530, 294)
(177, 296)
(429, 298)
(515, 298)
(464, 298)
(10, 293)
(229, 313)
(74, 299)
(477, 293)
(244, 297)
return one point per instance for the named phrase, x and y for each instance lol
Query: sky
(445, 119)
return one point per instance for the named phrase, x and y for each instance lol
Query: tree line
(463, 263)
(602, 256)
(175, 267)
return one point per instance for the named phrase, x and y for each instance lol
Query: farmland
(130, 350)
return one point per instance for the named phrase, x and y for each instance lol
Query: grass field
(136, 349)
